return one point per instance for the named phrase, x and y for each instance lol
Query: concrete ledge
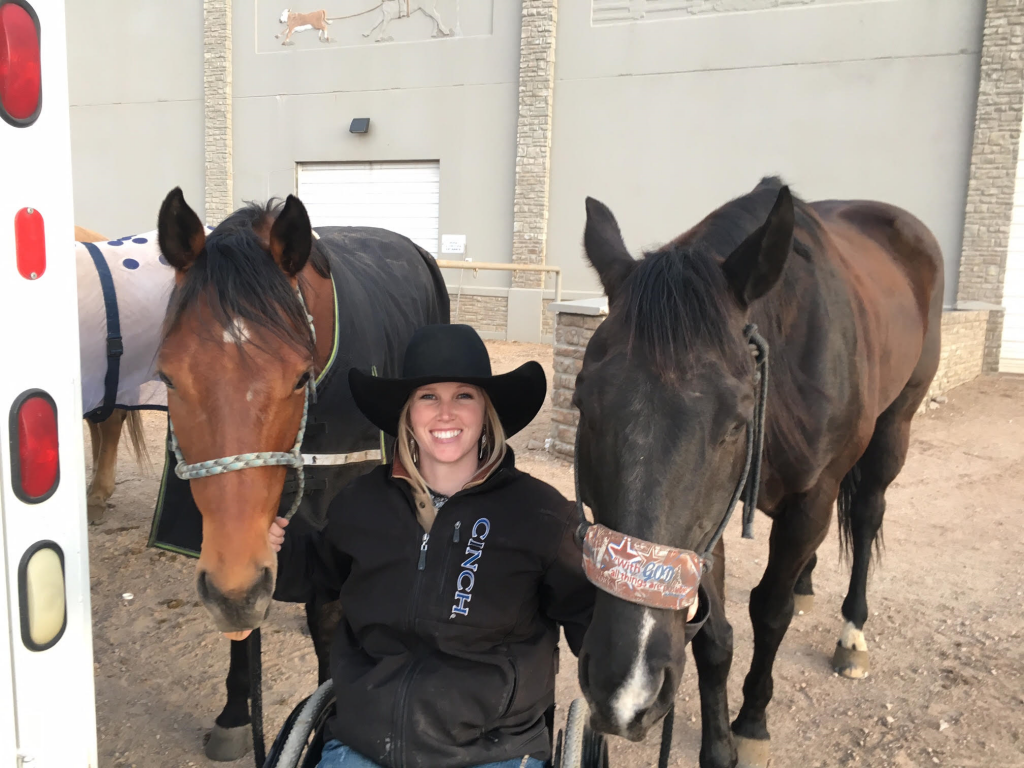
(591, 307)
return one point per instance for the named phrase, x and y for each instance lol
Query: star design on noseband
(624, 551)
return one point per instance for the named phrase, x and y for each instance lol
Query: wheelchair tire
(595, 749)
(301, 739)
(572, 742)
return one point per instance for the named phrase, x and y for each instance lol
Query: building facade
(490, 121)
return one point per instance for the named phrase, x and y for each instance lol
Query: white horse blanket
(142, 281)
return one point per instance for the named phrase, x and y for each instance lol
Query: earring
(414, 451)
(483, 445)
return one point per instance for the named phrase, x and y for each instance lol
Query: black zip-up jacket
(446, 653)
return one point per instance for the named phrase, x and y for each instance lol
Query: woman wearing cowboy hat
(454, 570)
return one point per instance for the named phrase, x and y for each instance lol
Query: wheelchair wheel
(595, 749)
(301, 740)
(572, 741)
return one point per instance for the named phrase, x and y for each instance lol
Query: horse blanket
(139, 285)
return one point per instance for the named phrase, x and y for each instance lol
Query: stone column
(575, 323)
(217, 109)
(533, 138)
(990, 191)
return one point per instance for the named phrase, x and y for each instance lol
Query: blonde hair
(492, 428)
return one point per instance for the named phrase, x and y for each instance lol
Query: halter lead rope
(292, 458)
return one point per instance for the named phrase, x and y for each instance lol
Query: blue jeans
(337, 755)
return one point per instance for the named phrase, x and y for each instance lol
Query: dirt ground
(946, 632)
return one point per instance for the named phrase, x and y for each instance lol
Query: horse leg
(231, 737)
(877, 468)
(102, 486)
(803, 591)
(322, 618)
(712, 654)
(799, 528)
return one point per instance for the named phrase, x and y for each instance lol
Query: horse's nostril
(268, 578)
(202, 587)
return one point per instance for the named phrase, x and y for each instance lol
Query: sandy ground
(946, 632)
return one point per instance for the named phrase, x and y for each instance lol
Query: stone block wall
(485, 313)
(572, 334)
(963, 350)
(990, 190)
(217, 109)
(533, 138)
(547, 323)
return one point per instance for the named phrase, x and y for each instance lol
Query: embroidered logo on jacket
(467, 577)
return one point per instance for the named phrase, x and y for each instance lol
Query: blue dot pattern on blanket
(130, 264)
(115, 242)
(139, 240)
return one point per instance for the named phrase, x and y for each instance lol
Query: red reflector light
(30, 243)
(36, 455)
(20, 72)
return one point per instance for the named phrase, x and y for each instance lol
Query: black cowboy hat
(439, 353)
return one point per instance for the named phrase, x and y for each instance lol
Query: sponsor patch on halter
(640, 571)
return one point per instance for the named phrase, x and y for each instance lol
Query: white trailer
(47, 696)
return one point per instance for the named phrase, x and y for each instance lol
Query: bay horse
(848, 297)
(265, 319)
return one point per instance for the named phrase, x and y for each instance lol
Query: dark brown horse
(848, 295)
(263, 307)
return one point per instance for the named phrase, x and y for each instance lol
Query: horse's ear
(605, 248)
(756, 265)
(291, 237)
(179, 232)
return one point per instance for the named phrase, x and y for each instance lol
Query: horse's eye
(303, 381)
(165, 379)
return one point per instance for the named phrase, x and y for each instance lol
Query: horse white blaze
(852, 638)
(237, 331)
(639, 688)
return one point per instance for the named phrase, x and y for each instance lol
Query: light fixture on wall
(359, 125)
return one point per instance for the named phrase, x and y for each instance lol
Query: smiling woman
(455, 570)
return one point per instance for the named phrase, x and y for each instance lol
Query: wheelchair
(301, 740)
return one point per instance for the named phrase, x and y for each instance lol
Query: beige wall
(448, 99)
(135, 76)
(666, 120)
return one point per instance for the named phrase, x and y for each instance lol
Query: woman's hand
(276, 540)
(277, 533)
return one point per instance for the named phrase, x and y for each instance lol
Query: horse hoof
(752, 753)
(851, 663)
(95, 513)
(227, 744)
(802, 604)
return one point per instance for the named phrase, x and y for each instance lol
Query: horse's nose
(627, 689)
(240, 608)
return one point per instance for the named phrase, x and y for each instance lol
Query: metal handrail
(489, 266)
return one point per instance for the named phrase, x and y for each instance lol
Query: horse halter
(656, 575)
(292, 458)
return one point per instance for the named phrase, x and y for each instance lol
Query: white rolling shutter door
(402, 197)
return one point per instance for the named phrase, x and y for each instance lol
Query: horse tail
(844, 505)
(133, 421)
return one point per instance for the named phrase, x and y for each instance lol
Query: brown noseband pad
(641, 571)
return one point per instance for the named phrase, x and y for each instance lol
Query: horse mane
(235, 278)
(679, 308)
